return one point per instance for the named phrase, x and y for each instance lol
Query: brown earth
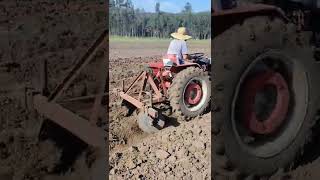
(181, 152)
(30, 32)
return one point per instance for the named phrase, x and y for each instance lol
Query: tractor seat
(168, 60)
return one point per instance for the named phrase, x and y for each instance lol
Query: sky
(173, 6)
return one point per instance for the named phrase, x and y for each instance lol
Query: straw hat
(181, 34)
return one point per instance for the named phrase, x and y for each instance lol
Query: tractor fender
(225, 19)
(181, 67)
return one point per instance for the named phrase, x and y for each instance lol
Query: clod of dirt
(161, 154)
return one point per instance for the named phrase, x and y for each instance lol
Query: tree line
(125, 20)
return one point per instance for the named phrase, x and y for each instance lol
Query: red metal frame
(135, 98)
(159, 89)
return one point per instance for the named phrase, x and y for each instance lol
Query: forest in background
(126, 20)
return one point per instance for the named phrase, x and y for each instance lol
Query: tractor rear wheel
(190, 93)
(265, 98)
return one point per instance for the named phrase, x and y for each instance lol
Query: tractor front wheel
(190, 93)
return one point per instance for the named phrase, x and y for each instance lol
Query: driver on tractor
(178, 47)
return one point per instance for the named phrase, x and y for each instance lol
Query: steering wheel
(196, 55)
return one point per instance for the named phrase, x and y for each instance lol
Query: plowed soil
(30, 32)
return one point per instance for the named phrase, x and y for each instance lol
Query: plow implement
(188, 97)
(48, 104)
(143, 94)
(51, 106)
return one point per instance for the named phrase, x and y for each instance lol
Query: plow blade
(77, 125)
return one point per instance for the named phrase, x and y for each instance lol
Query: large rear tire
(190, 93)
(242, 52)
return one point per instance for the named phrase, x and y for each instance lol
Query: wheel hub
(193, 94)
(266, 102)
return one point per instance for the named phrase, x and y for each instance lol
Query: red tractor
(266, 90)
(184, 88)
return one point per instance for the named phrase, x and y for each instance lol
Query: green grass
(132, 39)
(151, 40)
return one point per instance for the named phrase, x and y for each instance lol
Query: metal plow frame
(46, 103)
(145, 105)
